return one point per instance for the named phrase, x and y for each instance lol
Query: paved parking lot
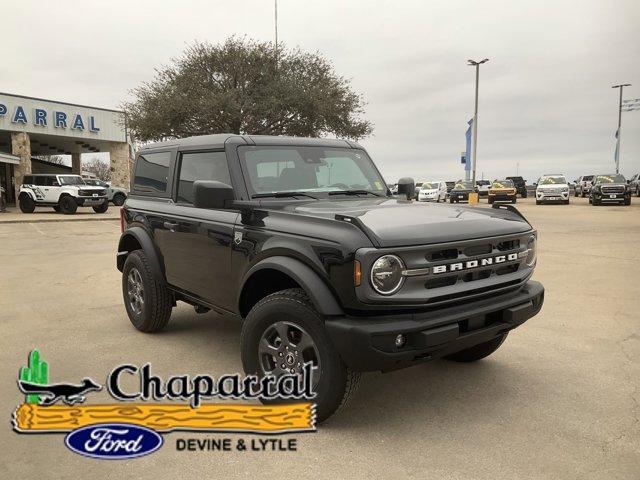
(560, 399)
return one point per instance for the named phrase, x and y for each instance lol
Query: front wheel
(478, 352)
(282, 333)
(68, 205)
(102, 208)
(524, 194)
(118, 199)
(146, 298)
(627, 200)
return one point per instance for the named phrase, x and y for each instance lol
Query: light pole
(275, 5)
(475, 117)
(619, 133)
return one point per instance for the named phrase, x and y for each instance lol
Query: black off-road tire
(158, 302)
(56, 208)
(524, 195)
(538, 202)
(479, 351)
(68, 205)
(27, 205)
(627, 200)
(337, 383)
(490, 200)
(102, 208)
(118, 199)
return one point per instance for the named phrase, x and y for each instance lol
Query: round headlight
(531, 251)
(386, 274)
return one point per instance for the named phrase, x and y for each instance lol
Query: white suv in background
(65, 193)
(433, 191)
(552, 188)
(116, 195)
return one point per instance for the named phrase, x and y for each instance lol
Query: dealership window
(201, 166)
(152, 171)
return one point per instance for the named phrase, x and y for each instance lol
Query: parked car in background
(520, 185)
(450, 186)
(483, 187)
(461, 190)
(116, 195)
(417, 189)
(552, 188)
(435, 191)
(634, 185)
(502, 191)
(583, 185)
(65, 193)
(611, 188)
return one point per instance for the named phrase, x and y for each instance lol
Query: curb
(56, 220)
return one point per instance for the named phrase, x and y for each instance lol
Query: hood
(553, 185)
(391, 222)
(89, 187)
(428, 190)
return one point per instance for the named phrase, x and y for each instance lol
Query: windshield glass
(308, 169)
(502, 184)
(610, 179)
(430, 185)
(587, 178)
(463, 186)
(70, 180)
(483, 183)
(552, 180)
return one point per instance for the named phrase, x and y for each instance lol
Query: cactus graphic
(36, 372)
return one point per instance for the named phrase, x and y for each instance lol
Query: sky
(546, 104)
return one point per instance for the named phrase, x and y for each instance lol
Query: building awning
(6, 158)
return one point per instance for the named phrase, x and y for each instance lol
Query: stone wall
(21, 147)
(120, 164)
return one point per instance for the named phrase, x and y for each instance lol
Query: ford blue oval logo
(113, 441)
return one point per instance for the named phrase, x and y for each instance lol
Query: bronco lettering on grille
(483, 262)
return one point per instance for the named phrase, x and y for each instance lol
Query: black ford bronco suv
(302, 240)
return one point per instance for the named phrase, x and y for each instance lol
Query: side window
(51, 181)
(28, 179)
(42, 181)
(152, 171)
(201, 166)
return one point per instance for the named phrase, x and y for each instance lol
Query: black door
(196, 243)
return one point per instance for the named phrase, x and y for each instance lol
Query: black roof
(219, 140)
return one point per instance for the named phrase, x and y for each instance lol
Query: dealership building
(34, 127)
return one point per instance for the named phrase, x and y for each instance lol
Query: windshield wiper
(283, 195)
(354, 192)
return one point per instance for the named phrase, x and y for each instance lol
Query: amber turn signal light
(357, 273)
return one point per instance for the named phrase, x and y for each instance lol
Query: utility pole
(619, 133)
(475, 117)
(276, 25)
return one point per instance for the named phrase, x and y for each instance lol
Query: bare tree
(98, 167)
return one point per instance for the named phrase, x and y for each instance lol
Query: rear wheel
(102, 208)
(68, 205)
(479, 351)
(282, 333)
(146, 298)
(27, 205)
(56, 208)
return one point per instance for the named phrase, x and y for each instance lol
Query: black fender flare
(146, 243)
(323, 299)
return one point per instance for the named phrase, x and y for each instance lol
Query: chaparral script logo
(131, 426)
(481, 262)
(113, 441)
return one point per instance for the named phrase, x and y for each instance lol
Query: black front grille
(90, 193)
(613, 189)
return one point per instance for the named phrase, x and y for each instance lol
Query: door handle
(170, 226)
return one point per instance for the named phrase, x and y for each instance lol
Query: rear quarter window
(152, 173)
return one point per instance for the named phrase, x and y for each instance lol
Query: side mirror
(406, 186)
(211, 194)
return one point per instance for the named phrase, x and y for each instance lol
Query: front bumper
(552, 196)
(459, 196)
(91, 201)
(611, 197)
(432, 197)
(368, 343)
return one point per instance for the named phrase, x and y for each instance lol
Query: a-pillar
(120, 164)
(21, 147)
(76, 164)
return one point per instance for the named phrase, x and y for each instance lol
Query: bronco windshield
(502, 184)
(430, 185)
(552, 180)
(314, 170)
(70, 180)
(463, 186)
(610, 179)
